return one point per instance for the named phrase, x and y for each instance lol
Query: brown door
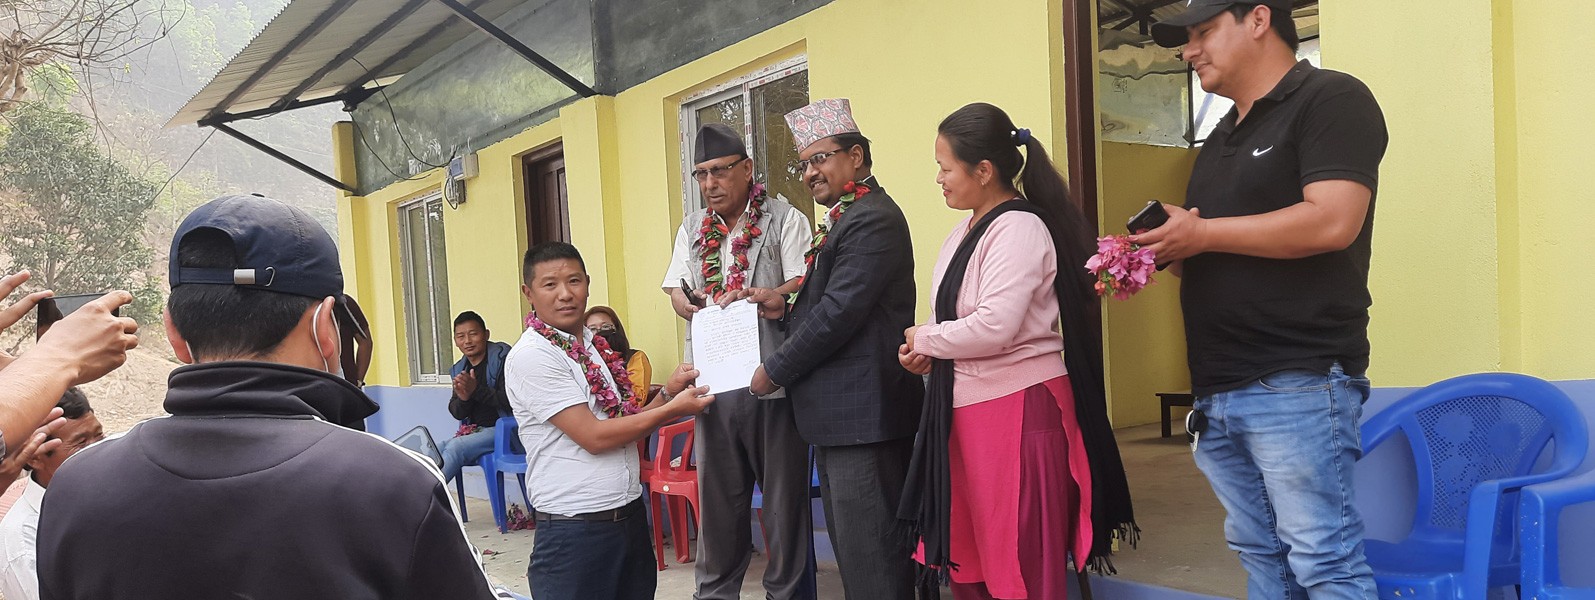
(547, 212)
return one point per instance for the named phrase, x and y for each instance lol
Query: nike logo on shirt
(1261, 151)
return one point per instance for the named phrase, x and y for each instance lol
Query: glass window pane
(773, 152)
(416, 288)
(441, 320)
(728, 112)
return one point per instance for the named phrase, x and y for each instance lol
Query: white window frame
(691, 198)
(446, 358)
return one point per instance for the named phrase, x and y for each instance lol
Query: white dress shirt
(19, 539)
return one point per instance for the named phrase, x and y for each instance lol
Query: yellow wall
(1553, 159)
(1146, 336)
(1478, 239)
(623, 158)
(1437, 303)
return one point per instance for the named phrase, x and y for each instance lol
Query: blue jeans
(1279, 453)
(593, 560)
(457, 452)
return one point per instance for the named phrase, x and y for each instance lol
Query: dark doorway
(547, 209)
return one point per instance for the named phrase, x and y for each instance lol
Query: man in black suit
(839, 365)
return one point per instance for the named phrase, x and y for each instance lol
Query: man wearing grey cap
(743, 239)
(1273, 245)
(254, 487)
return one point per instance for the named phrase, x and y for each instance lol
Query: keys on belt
(1195, 424)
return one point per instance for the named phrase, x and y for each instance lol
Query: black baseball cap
(1170, 32)
(279, 248)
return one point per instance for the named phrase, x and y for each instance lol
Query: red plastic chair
(645, 475)
(679, 486)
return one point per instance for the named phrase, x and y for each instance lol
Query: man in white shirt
(19, 531)
(578, 420)
(743, 239)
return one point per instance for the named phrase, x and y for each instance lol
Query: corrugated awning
(320, 51)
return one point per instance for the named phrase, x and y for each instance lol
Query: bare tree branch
(85, 34)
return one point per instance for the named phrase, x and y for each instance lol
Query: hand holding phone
(55, 308)
(90, 342)
(1152, 216)
(692, 296)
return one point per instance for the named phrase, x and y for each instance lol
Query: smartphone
(691, 297)
(1151, 217)
(58, 307)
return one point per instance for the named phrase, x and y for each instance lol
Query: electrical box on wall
(460, 169)
(463, 167)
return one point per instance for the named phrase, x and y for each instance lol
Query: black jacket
(839, 362)
(246, 492)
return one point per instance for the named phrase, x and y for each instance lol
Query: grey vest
(768, 272)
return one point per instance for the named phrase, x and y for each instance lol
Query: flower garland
(853, 192)
(713, 233)
(1121, 268)
(615, 403)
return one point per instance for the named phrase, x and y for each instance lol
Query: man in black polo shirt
(1274, 254)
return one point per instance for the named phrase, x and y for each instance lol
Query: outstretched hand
(91, 341)
(43, 441)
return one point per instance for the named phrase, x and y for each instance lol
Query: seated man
(19, 579)
(478, 399)
(249, 489)
(579, 418)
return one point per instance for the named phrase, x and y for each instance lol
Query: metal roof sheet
(315, 49)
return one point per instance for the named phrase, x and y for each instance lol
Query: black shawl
(927, 498)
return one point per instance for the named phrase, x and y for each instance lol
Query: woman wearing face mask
(605, 324)
(1015, 467)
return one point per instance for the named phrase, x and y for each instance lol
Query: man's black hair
(1281, 21)
(74, 404)
(227, 321)
(847, 140)
(545, 252)
(470, 316)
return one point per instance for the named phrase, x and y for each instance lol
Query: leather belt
(612, 515)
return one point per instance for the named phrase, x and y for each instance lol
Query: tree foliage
(77, 216)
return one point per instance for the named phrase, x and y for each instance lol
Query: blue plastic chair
(503, 459)
(1475, 439)
(486, 462)
(1538, 520)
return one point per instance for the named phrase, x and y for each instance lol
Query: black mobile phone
(58, 307)
(691, 297)
(1151, 217)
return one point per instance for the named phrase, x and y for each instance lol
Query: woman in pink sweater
(1006, 502)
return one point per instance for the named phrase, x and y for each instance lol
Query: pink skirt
(1021, 495)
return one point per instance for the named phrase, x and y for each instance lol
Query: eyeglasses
(719, 172)
(604, 327)
(801, 166)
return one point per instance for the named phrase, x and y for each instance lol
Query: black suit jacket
(839, 363)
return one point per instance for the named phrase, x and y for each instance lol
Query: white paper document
(725, 345)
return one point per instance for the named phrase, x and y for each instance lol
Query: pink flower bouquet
(1121, 268)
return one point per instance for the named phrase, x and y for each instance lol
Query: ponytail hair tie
(1020, 136)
